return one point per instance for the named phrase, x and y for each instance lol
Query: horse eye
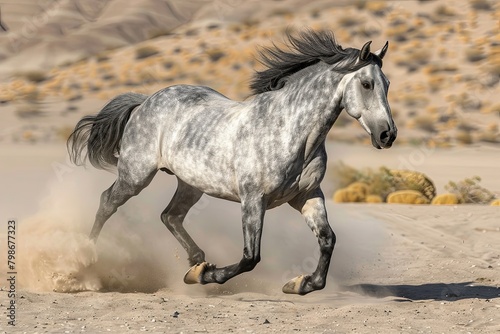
(366, 85)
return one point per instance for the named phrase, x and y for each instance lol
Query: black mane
(308, 48)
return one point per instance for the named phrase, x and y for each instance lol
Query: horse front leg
(253, 210)
(312, 207)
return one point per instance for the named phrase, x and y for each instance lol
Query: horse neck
(309, 103)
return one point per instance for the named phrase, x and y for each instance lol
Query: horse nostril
(385, 136)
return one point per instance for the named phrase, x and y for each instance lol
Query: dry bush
(215, 55)
(373, 199)
(35, 76)
(467, 102)
(469, 191)
(344, 175)
(464, 137)
(414, 58)
(438, 68)
(412, 180)
(378, 8)
(360, 187)
(436, 82)
(398, 31)
(145, 52)
(382, 181)
(481, 5)
(102, 57)
(445, 11)
(490, 137)
(360, 4)
(493, 109)
(466, 126)
(28, 110)
(446, 199)
(346, 195)
(414, 100)
(155, 33)
(494, 68)
(348, 21)
(425, 123)
(407, 197)
(379, 181)
(474, 54)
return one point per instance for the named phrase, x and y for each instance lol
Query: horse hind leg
(173, 217)
(125, 187)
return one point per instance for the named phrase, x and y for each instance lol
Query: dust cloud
(136, 253)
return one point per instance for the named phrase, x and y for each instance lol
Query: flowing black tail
(102, 133)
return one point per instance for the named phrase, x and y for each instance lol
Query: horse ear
(365, 51)
(381, 52)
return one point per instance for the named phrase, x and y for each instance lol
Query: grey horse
(262, 152)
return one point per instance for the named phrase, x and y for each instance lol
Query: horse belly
(205, 172)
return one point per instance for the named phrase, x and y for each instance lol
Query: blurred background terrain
(62, 59)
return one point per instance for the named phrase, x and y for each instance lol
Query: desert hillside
(66, 58)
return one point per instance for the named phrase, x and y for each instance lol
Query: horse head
(364, 97)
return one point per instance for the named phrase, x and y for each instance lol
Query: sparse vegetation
(102, 57)
(474, 54)
(145, 52)
(446, 199)
(407, 197)
(403, 186)
(380, 182)
(215, 55)
(464, 137)
(481, 5)
(28, 110)
(348, 21)
(469, 191)
(456, 51)
(425, 123)
(35, 76)
(445, 11)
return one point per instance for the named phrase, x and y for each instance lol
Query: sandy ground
(396, 268)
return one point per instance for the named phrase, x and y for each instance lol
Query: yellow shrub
(347, 195)
(373, 199)
(407, 197)
(495, 202)
(412, 180)
(360, 187)
(447, 198)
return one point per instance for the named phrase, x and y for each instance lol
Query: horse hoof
(195, 274)
(293, 285)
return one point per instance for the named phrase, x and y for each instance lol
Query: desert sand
(396, 268)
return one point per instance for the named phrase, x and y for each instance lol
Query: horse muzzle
(383, 136)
